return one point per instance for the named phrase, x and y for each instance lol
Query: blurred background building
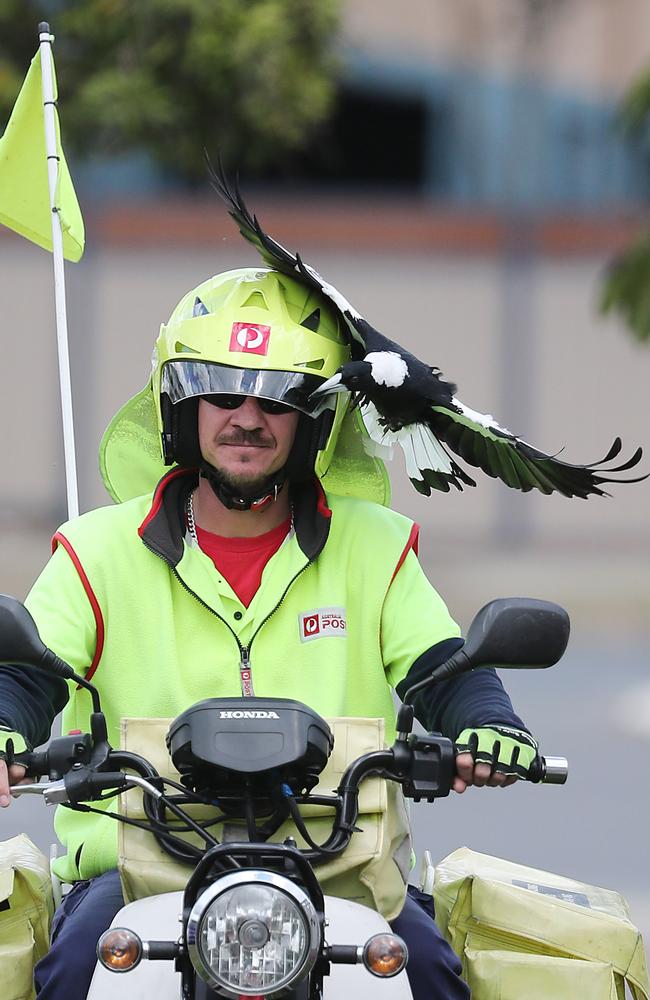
(466, 193)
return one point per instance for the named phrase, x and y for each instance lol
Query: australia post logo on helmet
(250, 338)
(322, 622)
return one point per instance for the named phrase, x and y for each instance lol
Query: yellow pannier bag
(500, 974)
(373, 870)
(26, 907)
(521, 932)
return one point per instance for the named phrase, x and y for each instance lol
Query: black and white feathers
(405, 401)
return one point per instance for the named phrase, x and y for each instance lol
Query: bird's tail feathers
(612, 453)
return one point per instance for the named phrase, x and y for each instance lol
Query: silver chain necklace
(191, 523)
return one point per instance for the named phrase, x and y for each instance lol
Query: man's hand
(493, 755)
(468, 773)
(14, 775)
(10, 773)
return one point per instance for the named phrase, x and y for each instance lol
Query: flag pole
(49, 115)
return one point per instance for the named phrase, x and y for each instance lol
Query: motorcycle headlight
(253, 932)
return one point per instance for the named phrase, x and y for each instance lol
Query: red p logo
(311, 625)
(250, 338)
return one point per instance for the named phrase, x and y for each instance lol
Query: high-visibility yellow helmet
(251, 332)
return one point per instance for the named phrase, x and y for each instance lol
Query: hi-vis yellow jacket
(342, 612)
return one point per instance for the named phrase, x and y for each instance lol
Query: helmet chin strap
(234, 499)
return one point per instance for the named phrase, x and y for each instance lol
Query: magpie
(406, 402)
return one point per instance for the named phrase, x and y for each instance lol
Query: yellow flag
(24, 191)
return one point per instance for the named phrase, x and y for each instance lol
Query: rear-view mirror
(519, 632)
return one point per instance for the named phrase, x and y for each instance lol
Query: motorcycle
(252, 920)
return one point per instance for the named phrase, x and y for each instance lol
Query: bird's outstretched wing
(272, 252)
(429, 465)
(480, 441)
(418, 410)
(281, 259)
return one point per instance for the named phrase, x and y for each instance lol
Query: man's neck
(211, 515)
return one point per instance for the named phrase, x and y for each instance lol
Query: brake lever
(53, 792)
(77, 785)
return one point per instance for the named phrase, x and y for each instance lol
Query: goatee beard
(246, 485)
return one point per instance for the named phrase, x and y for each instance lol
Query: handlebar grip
(36, 763)
(549, 770)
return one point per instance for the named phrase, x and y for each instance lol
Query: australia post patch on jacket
(322, 622)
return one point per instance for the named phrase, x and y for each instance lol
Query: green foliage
(627, 289)
(635, 108)
(248, 78)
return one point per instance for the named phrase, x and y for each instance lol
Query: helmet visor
(184, 379)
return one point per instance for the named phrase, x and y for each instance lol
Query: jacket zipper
(245, 671)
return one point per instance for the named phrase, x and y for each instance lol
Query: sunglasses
(227, 401)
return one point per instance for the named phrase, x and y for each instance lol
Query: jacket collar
(163, 529)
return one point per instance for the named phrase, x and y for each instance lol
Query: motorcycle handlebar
(81, 782)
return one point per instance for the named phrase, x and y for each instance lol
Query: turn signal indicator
(385, 955)
(119, 949)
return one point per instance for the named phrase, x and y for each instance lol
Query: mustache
(257, 438)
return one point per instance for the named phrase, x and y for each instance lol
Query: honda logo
(258, 713)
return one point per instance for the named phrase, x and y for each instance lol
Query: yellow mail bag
(521, 932)
(26, 907)
(373, 870)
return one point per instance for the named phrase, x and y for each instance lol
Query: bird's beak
(333, 384)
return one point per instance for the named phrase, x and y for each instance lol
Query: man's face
(245, 444)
